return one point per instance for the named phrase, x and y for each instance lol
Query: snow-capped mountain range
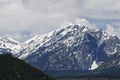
(72, 47)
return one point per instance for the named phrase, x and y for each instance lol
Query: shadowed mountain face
(13, 69)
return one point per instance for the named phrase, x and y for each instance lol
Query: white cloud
(42, 16)
(118, 32)
(113, 31)
(83, 21)
(110, 30)
(102, 9)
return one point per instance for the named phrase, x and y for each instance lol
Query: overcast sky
(23, 19)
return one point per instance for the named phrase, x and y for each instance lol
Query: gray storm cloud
(22, 19)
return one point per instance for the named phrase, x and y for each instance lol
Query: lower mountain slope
(12, 68)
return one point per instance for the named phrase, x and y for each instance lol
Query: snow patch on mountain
(94, 66)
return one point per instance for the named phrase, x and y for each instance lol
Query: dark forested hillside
(13, 69)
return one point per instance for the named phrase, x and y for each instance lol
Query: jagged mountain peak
(9, 45)
(33, 44)
(64, 30)
(52, 37)
(67, 35)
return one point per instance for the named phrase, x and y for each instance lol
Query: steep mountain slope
(113, 47)
(13, 69)
(9, 45)
(70, 48)
(113, 61)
